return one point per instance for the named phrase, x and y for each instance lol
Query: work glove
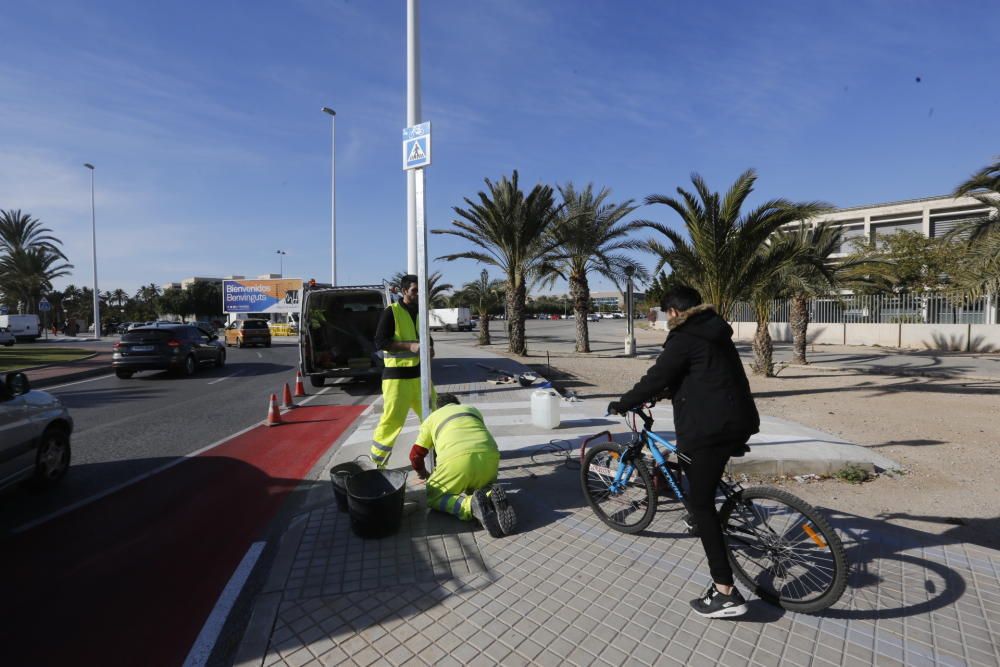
(615, 408)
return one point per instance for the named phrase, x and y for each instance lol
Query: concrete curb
(70, 377)
(38, 368)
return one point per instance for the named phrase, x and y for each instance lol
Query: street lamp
(333, 194)
(281, 263)
(630, 320)
(93, 231)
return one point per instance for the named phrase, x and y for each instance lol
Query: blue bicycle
(780, 546)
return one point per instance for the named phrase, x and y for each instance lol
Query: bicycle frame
(648, 439)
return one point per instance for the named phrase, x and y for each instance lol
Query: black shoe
(692, 527)
(505, 513)
(714, 604)
(485, 513)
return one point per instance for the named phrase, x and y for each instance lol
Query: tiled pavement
(568, 590)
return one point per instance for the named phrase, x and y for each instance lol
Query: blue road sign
(417, 146)
(44, 305)
(4, 310)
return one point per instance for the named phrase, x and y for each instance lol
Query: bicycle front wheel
(628, 509)
(784, 549)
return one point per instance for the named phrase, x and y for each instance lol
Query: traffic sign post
(44, 307)
(416, 156)
(417, 147)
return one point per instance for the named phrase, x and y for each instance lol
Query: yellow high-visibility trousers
(451, 484)
(398, 398)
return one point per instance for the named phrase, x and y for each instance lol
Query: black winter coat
(701, 371)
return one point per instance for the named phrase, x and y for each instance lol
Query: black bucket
(375, 501)
(339, 475)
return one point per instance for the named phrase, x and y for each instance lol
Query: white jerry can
(545, 408)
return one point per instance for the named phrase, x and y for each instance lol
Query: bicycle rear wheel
(784, 549)
(629, 510)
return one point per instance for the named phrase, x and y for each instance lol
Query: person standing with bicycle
(714, 416)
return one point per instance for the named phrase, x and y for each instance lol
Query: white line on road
(70, 384)
(260, 356)
(203, 645)
(225, 377)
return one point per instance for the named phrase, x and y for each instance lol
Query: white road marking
(70, 384)
(225, 377)
(203, 645)
(260, 356)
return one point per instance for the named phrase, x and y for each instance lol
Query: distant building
(931, 216)
(613, 302)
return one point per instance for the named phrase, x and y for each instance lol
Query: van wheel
(317, 380)
(449, 328)
(124, 375)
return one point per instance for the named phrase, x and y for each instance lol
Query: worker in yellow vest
(397, 336)
(466, 463)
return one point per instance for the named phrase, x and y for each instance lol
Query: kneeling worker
(467, 459)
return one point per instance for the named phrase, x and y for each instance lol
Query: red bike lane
(130, 578)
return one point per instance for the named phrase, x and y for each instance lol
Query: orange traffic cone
(286, 398)
(273, 414)
(300, 390)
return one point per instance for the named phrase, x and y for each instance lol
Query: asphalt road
(126, 428)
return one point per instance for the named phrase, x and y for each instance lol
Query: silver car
(35, 430)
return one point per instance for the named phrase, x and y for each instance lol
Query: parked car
(593, 317)
(181, 348)
(35, 430)
(6, 337)
(248, 332)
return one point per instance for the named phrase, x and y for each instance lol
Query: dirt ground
(943, 432)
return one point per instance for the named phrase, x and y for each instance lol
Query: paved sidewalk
(568, 590)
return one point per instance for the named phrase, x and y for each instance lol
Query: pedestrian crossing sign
(417, 146)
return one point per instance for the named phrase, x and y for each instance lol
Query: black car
(181, 348)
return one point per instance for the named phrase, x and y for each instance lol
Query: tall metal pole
(630, 317)
(93, 231)
(333, 194)
(412, 118)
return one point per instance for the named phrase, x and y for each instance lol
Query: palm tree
(814, 276)
(984, 186)
(980, 273)
(722, 257)
(436, 297)
(27, 273)
(485, 295)
(509, 230)
(19, 231)
(589, 236)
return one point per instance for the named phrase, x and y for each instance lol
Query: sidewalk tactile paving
(567, 590)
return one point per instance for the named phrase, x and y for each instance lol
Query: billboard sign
(261, 296)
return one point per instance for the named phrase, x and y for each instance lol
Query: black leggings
(703, 475)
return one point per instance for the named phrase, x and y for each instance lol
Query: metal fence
(936, 308)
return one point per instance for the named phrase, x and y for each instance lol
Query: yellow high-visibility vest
(405, 332)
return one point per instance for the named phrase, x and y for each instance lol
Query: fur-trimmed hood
(685, 315)
(701, 321)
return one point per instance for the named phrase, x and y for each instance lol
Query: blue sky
(204, 122)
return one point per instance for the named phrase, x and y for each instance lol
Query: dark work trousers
(703, 475)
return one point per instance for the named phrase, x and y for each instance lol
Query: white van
(23, 327)
(337, 332)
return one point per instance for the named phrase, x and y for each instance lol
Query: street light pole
(93, 231)
(281, 263)
(630, 319)
(333, 194)
(412, 118)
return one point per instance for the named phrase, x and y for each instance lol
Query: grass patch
(853, 473)
(26, 356)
